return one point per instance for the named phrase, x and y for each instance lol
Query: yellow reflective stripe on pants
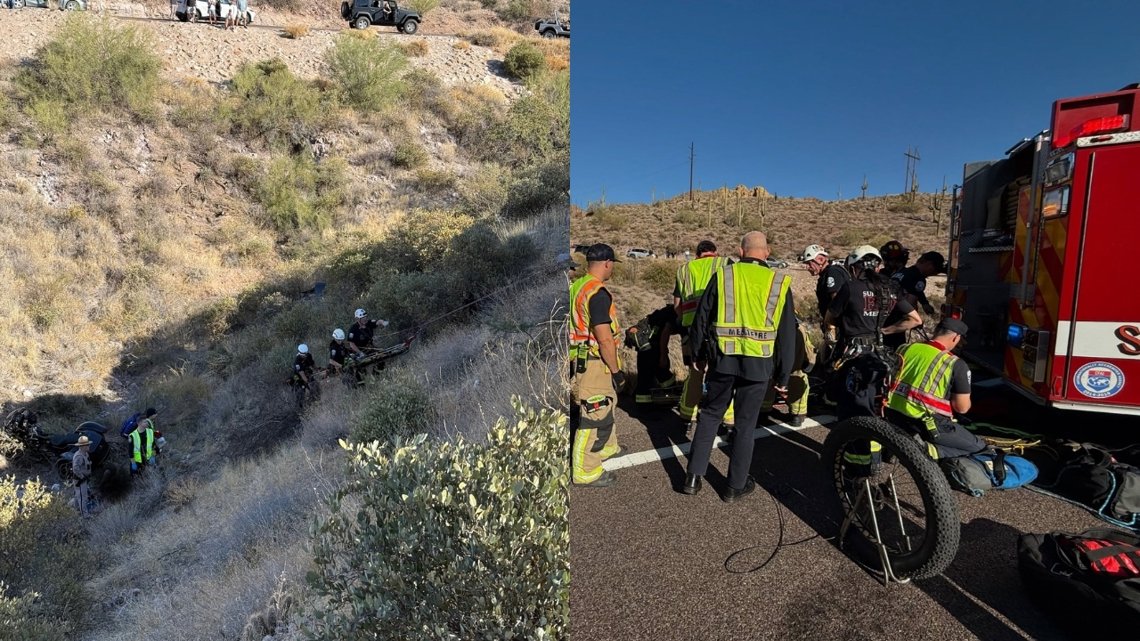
(594, 422)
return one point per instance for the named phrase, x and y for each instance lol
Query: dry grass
(500, 39)
(557, 52)
(461, 45)
(296, 30)
(416, 48)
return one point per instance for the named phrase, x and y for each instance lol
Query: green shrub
(516, 10)
(484, 192)
(299, 193)
(42, 551)
(434, 180)
(539, 187)
(422, 6)
(524, 61)
(22, 615)
(90, 65)
(904, 208)
(422, 237)
(409, 155)
(459, 540)
(537, 126)
(609, 217)
(269, 102)
(410, 298)
(402, 409)
(366, 71)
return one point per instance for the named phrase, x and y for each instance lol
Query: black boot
(731, 494)
(692, 484)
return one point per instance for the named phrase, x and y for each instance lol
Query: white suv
(638, 252)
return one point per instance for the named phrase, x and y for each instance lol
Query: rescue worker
(339, 350)
(743, 338)
(305, 370)
(798, 386)
(895, 257)
(912, 280)
(831, 278)
(142, 444)
(931, 385)
(81, 468)
(360, 333)
(596, 375)
(692, 278)
(860, 308)
(650, 339)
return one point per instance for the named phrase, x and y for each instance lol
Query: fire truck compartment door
(1102, 342)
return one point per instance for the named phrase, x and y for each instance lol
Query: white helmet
(811, 253)
(338, 334)
(302, 349)
(360, 313)
(864, 253)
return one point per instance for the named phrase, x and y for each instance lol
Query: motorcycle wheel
(911, 502)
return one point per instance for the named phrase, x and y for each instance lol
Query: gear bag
(992, 469)
(1090, 579)
(1092, 476)
(130, 424)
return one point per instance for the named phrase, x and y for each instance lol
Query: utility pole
(692, 157)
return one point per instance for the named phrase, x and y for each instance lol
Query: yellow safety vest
(749, 306)
(923, 383)
(581, 291)
(138, 454)
(692, 279)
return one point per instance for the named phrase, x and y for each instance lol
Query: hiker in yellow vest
(692, 278)
(142, 443)
(595, 369)
(743, 338)
(933, 384)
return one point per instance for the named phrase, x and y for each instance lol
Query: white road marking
(675, 451)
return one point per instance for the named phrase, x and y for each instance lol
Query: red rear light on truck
(1090, 127)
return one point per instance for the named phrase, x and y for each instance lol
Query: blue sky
(806, 97)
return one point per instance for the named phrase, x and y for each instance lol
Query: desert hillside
(165, 226)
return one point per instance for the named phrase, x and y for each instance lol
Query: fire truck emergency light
(1015, 335)
(1090, 127)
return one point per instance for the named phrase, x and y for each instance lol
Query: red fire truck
(1042, 255)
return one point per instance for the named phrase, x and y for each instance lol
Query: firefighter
(831, 278)
(895, 257)
(142, 444)
(692, 278)
(595, 368)
(861, 307)
(743, 336)
(650, 339)
(305, 370)
(360, 333)
(912, 280)
(339, 350)
(798, 386)
(932, 384)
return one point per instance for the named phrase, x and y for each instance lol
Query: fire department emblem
(1099, 379)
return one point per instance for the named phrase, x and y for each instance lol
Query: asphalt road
(651, 563)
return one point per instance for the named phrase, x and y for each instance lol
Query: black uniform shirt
(337, 352)
(913, 283)
(599, 308)
(362, 336)
(831, 280)
(659, 320)
(304, 363)
(777, 369)
(856, 308)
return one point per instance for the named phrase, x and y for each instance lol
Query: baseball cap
(705, 246)
(938, 260)
(952, 325)
(600, 252)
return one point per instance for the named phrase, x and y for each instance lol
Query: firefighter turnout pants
(798, 389)
(693, 391)
(748, 395)
(596, 437)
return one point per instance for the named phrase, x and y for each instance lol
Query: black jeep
(360, 14)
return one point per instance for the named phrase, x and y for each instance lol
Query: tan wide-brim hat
(83, 441)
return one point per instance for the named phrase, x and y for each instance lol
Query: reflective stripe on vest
(749, 306)
(924, 382)
(692, 279)
(581, 291)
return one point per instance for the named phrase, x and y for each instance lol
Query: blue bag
(992, 469)
(130, 424)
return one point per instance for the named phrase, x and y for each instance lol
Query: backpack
(1091, 476)
(991, 469)
(1091, 579)
(130, 424)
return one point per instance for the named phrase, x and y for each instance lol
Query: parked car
(64, 5)
(552, 28)
(638, 252)
(776, 263)
(362, 14)
(195, 10)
